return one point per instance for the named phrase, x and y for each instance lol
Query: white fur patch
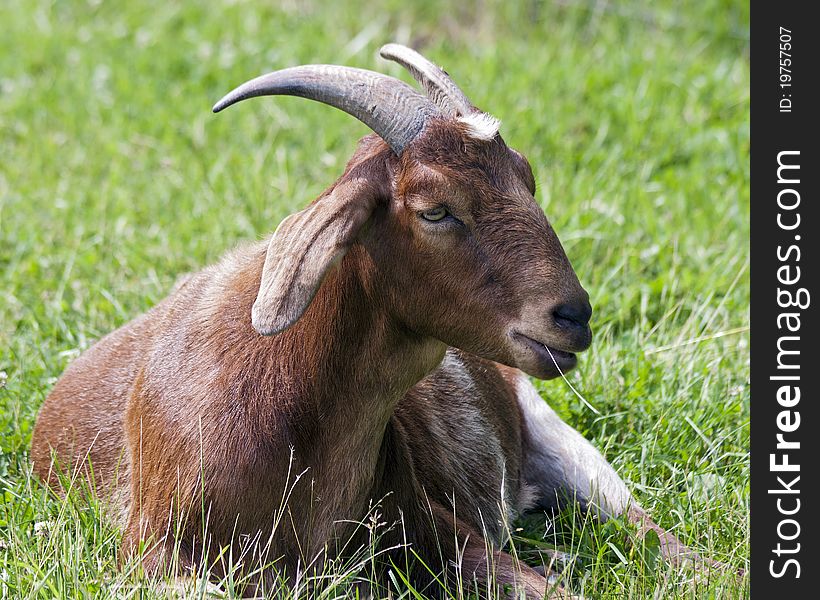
(480, 125)
(559, 459)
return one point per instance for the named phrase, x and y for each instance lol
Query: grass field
(115, 178)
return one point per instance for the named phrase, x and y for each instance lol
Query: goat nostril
(574, 315)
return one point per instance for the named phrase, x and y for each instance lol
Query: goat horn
(438, 85)
(390, 107)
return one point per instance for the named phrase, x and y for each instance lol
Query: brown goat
(395, 313)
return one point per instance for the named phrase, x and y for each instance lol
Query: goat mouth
(548, 356)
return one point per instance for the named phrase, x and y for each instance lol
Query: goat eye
(435, 214)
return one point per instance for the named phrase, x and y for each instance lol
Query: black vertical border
(773, 132)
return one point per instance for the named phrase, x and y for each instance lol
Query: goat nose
(576, 314)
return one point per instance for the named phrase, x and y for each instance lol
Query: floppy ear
(304, 248)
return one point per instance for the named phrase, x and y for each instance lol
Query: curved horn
(436, 82)
(390, 107)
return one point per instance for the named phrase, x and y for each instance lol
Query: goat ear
(304, 248)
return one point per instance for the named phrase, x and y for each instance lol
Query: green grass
(115, 178)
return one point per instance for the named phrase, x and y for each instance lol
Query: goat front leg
(484, 569)
(561, 466)
(672, 549)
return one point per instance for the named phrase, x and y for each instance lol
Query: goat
(378, 343)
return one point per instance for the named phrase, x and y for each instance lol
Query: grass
(115, 178)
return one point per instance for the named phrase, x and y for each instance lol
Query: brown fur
(197, 426)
